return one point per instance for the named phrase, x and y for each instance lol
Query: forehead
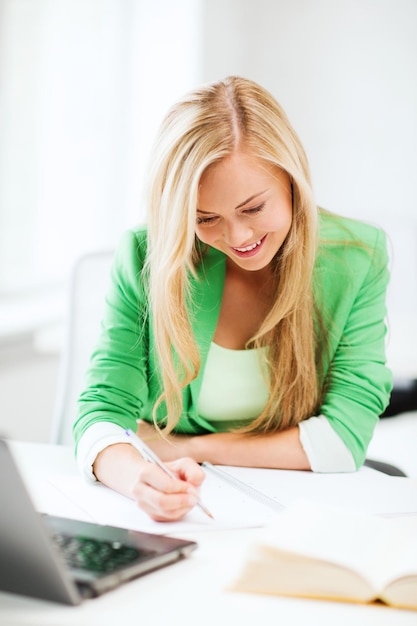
(238, 164)
(236, 178)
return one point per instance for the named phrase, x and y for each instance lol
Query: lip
(244, 254)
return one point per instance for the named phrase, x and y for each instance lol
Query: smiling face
(244, 210)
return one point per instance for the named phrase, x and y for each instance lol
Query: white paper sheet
(231, 507)
(367, 490)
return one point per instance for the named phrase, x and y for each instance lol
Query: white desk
(191, 592)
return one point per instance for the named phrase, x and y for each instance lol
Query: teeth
(252, 247)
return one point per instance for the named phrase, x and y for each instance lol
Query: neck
(262, 278)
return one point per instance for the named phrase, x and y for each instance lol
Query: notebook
(67, 560)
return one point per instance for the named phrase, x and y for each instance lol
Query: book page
(401, 590)
(402, 593)
(370, 545)
(271, 570)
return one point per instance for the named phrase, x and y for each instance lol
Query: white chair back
(88, 287)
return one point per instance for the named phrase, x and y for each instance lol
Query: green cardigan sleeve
(351, 280)
(117, 382)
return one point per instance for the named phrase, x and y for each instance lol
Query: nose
(236, 233)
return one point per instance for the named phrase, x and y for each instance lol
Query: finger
(154, 476)
(188, 470)
(162, 506)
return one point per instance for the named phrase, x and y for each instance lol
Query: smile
(257, 243)
(251, 247)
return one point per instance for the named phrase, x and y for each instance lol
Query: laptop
(65, 560)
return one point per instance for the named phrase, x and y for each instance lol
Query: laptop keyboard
(97, 555)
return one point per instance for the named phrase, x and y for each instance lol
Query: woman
(244, 326)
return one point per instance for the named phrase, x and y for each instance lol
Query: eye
(201, 221)
(255, 210)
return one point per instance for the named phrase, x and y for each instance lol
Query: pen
(149, 455)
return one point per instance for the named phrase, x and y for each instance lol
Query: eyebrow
(255, 195)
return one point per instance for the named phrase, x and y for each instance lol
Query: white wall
(83, 85)
(346, 73)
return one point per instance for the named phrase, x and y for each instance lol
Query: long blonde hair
(204, 127)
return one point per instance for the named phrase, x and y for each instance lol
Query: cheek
(281, 221)
(206, 235)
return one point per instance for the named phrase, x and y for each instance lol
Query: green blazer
(350, 281)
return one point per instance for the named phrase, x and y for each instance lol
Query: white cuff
(324, 448)
(97, 437)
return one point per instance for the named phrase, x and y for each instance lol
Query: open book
(333, 554)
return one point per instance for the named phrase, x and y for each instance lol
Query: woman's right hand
(163, 498)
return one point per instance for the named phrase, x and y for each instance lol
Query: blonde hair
(204, 127)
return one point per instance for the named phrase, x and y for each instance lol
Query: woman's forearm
(278, 450)
(281, 450)
(118, 467)
(165, 496)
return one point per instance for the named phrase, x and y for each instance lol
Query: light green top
(234, 389)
